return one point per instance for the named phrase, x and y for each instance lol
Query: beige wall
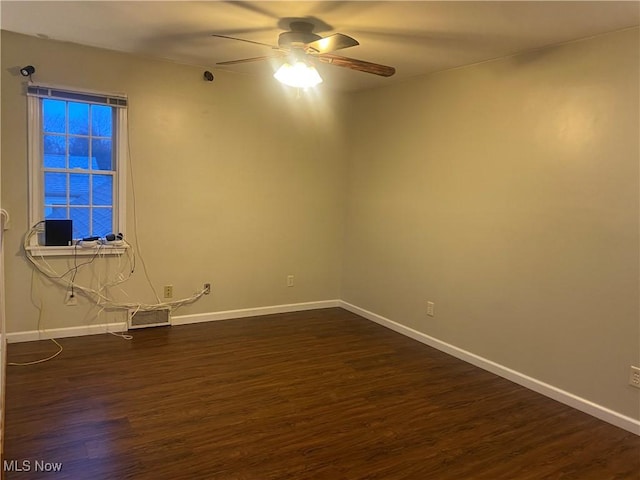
(237, 183)
(507, 193)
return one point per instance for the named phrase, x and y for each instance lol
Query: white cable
(42, 360)
(124, 336)
(89, 244)
(135, 215)
(99, 298)
(121, 278)
(114, 243)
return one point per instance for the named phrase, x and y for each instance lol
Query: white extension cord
(100, 298)
(89, 243)
(114, 243)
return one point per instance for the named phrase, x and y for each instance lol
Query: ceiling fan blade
(331, 43)
(353, 64)
(254, 59)
(244, 40)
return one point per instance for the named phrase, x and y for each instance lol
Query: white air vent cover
(149, 318)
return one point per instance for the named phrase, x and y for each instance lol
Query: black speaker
(58, 232)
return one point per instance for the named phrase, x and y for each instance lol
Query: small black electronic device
(112, 237)
(58, 233)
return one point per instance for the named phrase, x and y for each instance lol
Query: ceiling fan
(299, 44)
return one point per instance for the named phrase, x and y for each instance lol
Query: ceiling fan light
(299, 75)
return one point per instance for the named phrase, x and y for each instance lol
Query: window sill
(42, 251)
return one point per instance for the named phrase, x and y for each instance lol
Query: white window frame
(35, 94)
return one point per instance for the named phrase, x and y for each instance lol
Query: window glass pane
(55, 213)
(102, 190)
(55, 188)
(54, 151)
(79, 189)
(80, 217)
(77, 138)
(101, 120)
(78, 118)
(78, 152)
(102, 221)
(54, 116)
(101, 154)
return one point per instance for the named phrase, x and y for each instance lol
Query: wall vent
(149, 318)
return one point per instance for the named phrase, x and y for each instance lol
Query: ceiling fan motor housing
(301, 33)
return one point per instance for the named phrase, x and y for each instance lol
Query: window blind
(96, 98)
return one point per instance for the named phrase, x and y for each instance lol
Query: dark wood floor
(311, 395)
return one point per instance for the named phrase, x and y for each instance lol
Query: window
(77, 150)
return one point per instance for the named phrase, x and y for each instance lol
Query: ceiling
(417, 37)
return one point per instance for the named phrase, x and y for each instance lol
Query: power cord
(35, 362)
(124, 336)
(42, 360)
(97, 296)
(135, 214)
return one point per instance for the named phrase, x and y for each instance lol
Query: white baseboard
(33, 335)
(538, 386)
(80, 331)
(252, 312)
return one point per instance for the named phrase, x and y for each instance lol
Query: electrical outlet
(168, 291)
(431, 309)
(289, 280)
(207, 288)
(71, 299)
(634, 377)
